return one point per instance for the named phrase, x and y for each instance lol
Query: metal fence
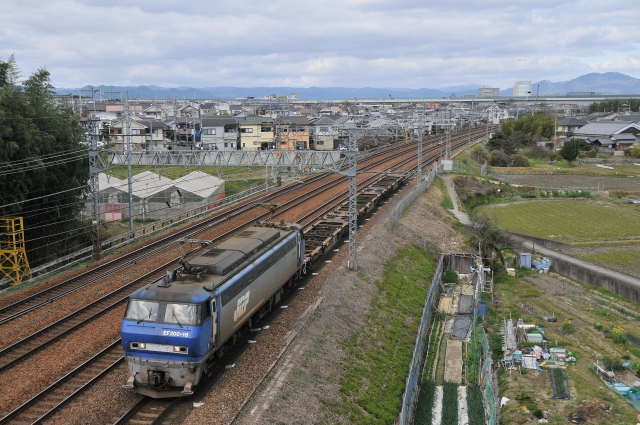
(417, 361)
(395, 215)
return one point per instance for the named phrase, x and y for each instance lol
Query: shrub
(499, 159)
(538, 413)
(567, 327)
(592, 153)
(554, 156)
(450, 277)
(614, 365)
(523, 397)
(531, 405)
(520, 161)
(618, 334)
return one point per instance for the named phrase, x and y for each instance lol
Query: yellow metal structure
(13, 256)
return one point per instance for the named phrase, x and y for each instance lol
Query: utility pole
(127, 135)
(352, 155)
(419, 171)
(447, 154)
(94, 169)
(469, 123)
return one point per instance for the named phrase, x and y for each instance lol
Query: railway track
(120, 264)
(106, 306)
(53, 398)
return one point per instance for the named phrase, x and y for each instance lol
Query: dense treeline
(44, 166)
(519, 138)
(615, 105)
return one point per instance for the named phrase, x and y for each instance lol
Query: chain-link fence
(395, 215)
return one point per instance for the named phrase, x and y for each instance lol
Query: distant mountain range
(610, 83)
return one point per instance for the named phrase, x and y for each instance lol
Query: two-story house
(219, 134)
(568, 125)
(292, 133)
(256, 133)
(186, 131)
(325, 135)
(153, 135)
(137, 133)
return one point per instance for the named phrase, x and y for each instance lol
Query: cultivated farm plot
(583, 306)
(569, 220)
(622, 258)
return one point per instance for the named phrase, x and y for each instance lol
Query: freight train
(175, 328)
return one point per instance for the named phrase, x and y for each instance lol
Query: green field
(574, 220)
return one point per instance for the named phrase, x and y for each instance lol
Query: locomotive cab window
(183, 314)
(142, 311)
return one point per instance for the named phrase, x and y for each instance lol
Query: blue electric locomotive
(174, 328)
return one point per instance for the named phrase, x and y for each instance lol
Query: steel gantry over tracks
(343, 162)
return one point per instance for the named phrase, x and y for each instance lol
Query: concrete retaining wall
(621, 284)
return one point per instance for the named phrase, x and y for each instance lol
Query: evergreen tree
(44, 164)
(570, 150)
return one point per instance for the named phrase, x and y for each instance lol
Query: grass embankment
(378, 356)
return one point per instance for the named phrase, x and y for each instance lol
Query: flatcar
(175, 328)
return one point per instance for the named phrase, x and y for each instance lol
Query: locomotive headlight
(139, 345)
(179, 349)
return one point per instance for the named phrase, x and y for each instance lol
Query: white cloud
(352, 43)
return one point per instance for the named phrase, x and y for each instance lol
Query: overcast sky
(326, 43)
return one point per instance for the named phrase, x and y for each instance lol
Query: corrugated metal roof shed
(199, 183)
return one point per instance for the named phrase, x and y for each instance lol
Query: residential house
(154, 134)
(208, 108)
(137, 131)
(292, 133)
(186, 131)
(191, 109)
(325, 134)
(219, 134)
(256, 133)
(153, 112)
(569, 125)
(235, 109)
(609, 137)
(222, 108)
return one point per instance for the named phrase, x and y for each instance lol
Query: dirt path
(460, 215)
(453, 361)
